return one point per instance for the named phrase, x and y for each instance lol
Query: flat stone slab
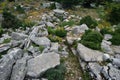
(41, 63)
(88, 54)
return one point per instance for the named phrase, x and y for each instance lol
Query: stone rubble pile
(25, 61)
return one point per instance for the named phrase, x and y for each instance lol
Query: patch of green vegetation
(69, 23)
(86, 76)
(51, 30)
(53, 6)
(20, 9)
(116, 36)
(41, 48)
(92, 39)
(10, 21)
(55, 38)
(61, 32)
(34, 45)
(107, 30)
(57, 73)
(1, 31)
(113, 12)
(91, 23)
(7, 40)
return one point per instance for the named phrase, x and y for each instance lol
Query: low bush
(57, 73)
(116, 36)
(91, 23)
(92, 39)
(1, 31)
(113, 12)
(50, 30)
(61, 32)
(10, 21)
(20, 9)
(107, 30)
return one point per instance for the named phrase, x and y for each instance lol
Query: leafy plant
(91, 23)
(57, 73)
(92, 39)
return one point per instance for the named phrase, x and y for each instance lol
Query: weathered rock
(18, 36)
(70, 40)
(116, 49)
(105, 72)
(15, 43)
(116, 62)
(105, 45)
(88, 54)
(41, 63)
(6, 63)
(49, 24)
(107, 36)
(33, 49)
(106, 57)
(54, 47)
(19, 70)
(41, 41)
(59, 13)
(95, 69)
(114, 73)
(4, 47)
(5, 36)
(80, 29)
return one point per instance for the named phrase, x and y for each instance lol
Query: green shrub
(116, 36)
(10, 21)
(113, 13)
(61, 32)
(92, 39)
(115, 39)
(69, 23)
(57, 73)
(20, 9)
(1, 31)
(91, 23)
(50, 30)
(107, 30)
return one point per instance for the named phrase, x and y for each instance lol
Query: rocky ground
(31, 52)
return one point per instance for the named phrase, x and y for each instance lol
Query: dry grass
(84, 12)
(73, 68)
